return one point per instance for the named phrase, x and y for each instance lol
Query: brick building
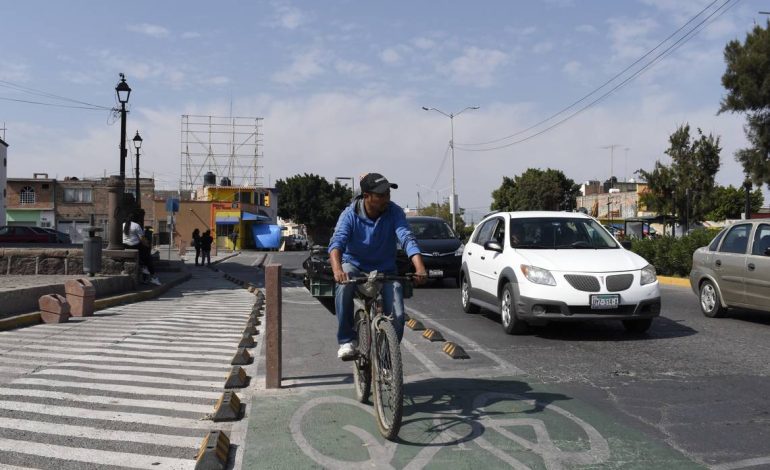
(30, 201)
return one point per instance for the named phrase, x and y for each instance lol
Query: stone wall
(34, 261)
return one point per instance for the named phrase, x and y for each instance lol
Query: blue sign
(172, 205)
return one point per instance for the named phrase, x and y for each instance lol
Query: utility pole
(612, 148)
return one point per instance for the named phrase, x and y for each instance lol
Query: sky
(340, 86)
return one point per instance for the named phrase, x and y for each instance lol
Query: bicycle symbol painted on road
(489, 427)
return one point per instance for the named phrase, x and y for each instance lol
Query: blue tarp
(250, 216)
(266, 235)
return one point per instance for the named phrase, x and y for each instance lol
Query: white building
(3, 179)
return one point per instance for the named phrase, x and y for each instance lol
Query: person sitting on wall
(134, 239)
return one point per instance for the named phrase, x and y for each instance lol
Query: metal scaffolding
(226, 146)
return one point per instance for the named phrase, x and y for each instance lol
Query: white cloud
(351, 68)
(477, 66)
(190, 35)
(390, 56)
(630, 38)
(216, 80)
(573, 68)
(148, 29)
(14, 72)
(304, 67)
(423, 43)
(289, 17)
(542, 47)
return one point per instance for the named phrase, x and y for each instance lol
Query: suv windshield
(561, 233)
(431, 229)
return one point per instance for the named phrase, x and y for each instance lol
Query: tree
(536, 189)
(684, 188)
(442, 211)
(311, 200)
(730, 202)
(746, 81)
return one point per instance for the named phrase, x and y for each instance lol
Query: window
(761, 240)
(715, 243)
(27, 195)
(78, 194)
(737, 239)
(485, 232)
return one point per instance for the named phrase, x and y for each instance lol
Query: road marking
(99, 457)
(136, 390)
(161, 370)
(122, 351)
(121, 416)
(106, 400)
(56, 358)
(131, 378)
(742, 463)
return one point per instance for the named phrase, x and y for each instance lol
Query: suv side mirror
(626, 244)
(492, 245)
(767, 251)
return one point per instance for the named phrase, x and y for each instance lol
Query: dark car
(441, 250)
(13, 234)
(58, 237)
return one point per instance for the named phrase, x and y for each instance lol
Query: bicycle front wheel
(387, 374)
(362, 371)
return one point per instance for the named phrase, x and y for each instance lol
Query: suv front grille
(619, 282)
(584, 283)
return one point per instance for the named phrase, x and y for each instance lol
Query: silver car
(734, 270)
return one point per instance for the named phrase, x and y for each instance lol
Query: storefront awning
(258, 217)
(227, 217)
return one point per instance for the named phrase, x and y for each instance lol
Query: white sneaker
(145, 270)
(155, 281)
(346, 351)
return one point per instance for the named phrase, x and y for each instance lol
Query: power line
(55, 105)
(32, 91)
(441, 167)
(686, 37)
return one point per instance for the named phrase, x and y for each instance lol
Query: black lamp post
(117, 184)
(138, 145)
(123, 91)
(747, 188)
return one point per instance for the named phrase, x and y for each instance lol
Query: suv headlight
(459, 250)
(648, 275)
(538, 275)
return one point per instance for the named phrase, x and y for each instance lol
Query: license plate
(605, 301)
(435, 273)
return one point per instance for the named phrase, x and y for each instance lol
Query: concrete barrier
(81, 295)
(54, 308)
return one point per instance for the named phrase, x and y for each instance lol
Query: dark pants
(197, 255)
(145, 258)
(206, 259)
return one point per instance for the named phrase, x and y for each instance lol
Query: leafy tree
(729, 202)
(442, 211)
(311, 200)
(535, 189)
(694, 164)
(748, 87)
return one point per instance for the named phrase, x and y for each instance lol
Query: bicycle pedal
(350, 358)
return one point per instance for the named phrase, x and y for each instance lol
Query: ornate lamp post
(138, 145)
(116, 184)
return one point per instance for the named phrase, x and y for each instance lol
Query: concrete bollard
(81, 295)
(54, 308)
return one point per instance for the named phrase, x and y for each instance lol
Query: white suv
(536, 267)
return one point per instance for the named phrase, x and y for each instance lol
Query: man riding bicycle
(364, 240)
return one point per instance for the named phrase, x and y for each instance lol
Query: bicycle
(378, 359)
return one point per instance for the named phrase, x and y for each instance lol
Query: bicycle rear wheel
(362, 371)
(388, 380)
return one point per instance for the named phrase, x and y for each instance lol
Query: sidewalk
(19, 294)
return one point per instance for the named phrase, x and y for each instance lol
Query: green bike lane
(481, 412)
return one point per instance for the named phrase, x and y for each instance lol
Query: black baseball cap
(376, 183)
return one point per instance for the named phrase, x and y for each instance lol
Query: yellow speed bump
(228, 408)
(432, 335)
(454, 351)
(214, 452)
(416, 325)
(237, 378)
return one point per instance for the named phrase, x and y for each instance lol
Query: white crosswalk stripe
(134, 385)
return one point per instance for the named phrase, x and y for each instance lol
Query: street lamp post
(451, 116)
(138, 145)
(117, 185)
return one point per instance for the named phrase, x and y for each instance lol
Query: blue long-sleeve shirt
(371, 244)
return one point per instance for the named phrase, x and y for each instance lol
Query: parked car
(440, 248)
(733, 271)
(58, 237)
(14, 234)
(536, 267)
(296, 242)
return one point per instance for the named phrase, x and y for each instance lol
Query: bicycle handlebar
(378, 277)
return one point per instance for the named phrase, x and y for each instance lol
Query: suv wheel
(710, 304)
(512, 324)
(465, 296)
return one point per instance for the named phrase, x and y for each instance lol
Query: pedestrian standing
(206, 242)
(196, 238)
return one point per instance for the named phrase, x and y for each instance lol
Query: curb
(33, 318)
(674, 281)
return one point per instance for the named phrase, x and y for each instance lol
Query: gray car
(733, 271)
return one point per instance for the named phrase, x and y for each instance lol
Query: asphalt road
(701, 385)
